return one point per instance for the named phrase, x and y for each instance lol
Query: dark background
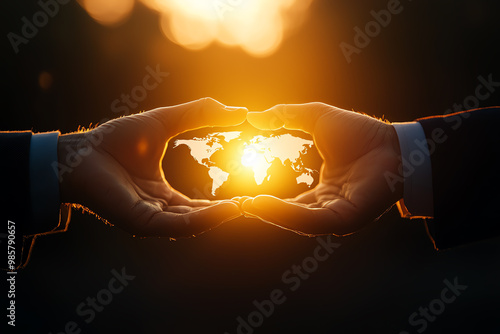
(427, 59)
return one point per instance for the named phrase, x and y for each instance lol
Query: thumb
(197, 114)
(290, 116)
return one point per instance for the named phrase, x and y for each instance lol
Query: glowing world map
(258, 154)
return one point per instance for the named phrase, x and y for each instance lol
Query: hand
(119, 174)
(357, 151)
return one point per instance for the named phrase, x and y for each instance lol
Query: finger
(192, 223)
(180, 209)
(197, 114)
(240, 199)
(290, 116)
(177, 198)
(194, 206)
(301, 219)
(306, 197)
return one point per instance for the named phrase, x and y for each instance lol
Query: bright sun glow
(254, 157)
(257, 155)
(251, 157)
(257, 26)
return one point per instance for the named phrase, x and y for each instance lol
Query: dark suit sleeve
(465, 151)
(18, 232)
(15, 196)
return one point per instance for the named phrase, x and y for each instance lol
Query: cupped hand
(118, 173)
(358, 153)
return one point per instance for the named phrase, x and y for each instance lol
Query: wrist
(71, 150)
(396, 162)
(416, 169)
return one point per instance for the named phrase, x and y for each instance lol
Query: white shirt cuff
(44, 181)
(417, 171)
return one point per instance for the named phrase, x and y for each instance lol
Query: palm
(128, 174)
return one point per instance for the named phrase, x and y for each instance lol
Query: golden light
(257, 26)
(239, 163)
(108, 12)
(249, 158)
(254, 157)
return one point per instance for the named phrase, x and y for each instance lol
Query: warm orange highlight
(108, 12)
(257, 26)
